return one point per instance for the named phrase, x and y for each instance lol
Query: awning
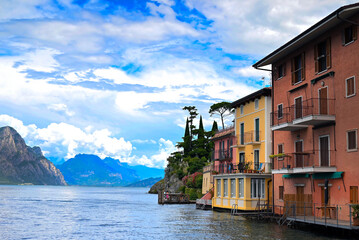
(296, 176)
(333, 175)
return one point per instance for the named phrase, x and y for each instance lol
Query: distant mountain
(149, 182)
(147, 172)
(90, 170)
(142, 171)
(21, 164)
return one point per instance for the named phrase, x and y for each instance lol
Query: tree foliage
(223, 109)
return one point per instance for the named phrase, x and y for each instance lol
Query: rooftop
(262, 92)
(311, 33)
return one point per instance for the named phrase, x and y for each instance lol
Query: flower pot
(356, 221)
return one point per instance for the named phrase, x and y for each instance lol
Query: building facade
(315, 118)
(247, 180)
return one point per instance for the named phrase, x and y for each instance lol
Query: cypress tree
(214, 127)
(187, 140)
(200, 129)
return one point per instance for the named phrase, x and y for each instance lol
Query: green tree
(214, 127)
(192, 110)
(223, 109)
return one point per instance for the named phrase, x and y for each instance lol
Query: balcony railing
(305, 162)
(313, 111)
(250, 137)
(222, 154)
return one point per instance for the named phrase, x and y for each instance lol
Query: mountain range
(91, 170)
(21, 164)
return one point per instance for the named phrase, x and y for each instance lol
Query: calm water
(48, 212)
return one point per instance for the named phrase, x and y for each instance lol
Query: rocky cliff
(21, 164)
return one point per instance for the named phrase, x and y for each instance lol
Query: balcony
(283, 121)
(314, 111)
(250, 137)
(304, 162)
(222, 155)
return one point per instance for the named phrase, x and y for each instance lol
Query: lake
(68, 212)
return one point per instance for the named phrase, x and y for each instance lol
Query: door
(300, 200)
(298, 107)
(353, 194)
(323, 101)
(298, 154)
(324, 151)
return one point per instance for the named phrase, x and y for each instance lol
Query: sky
(111, 77)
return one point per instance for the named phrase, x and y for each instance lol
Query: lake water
(51, 212)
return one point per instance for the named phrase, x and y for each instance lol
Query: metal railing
(222, 154)
(305, 159)
(250, 137)
(334, 215)
(309, 107)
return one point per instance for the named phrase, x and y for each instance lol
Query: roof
(262, 92)
(224, 133)
(311, 33)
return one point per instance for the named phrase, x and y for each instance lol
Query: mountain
(90, 170)
(142, 171)
(149, 182)
(21, 164)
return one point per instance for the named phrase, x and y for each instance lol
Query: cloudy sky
(110, 77)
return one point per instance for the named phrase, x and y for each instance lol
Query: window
(256, 159)
(257, 188)
(352, 140)
(256, 104)
(242, 134)
(240, 188)
(233, 188)
(225, 187)
(280, 111)
(350, 86)
(298, 69)
(256, 130)
(322, 56)
(280, 150)
(298, 107)
(241, 157)
(281, 192)
(281, 71)
(349, 35)
(241, 109)
(218, 187)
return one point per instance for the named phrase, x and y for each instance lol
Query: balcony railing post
(350, 215)
(304, 211)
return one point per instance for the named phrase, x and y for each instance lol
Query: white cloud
(159, 160)
(258, 27)
(140, 141)
(41, 60)
(70, 140)
(60, 107)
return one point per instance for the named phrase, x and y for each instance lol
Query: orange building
(315, 117)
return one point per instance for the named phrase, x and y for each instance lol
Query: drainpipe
(272, 97)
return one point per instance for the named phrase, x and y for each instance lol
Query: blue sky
(111, 77)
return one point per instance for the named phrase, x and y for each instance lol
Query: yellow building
(249, 182)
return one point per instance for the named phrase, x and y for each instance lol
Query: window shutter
(292, 70)
(303, 66)
(354, 29)
(329, 59)
(275, 73)
(283, 67)
(316, 57)
(343, 36)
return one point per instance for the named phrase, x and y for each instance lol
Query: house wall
(248, 118)
(345, 64)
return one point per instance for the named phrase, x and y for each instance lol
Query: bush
(182, 189)
(192, 194)
(198, 181)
